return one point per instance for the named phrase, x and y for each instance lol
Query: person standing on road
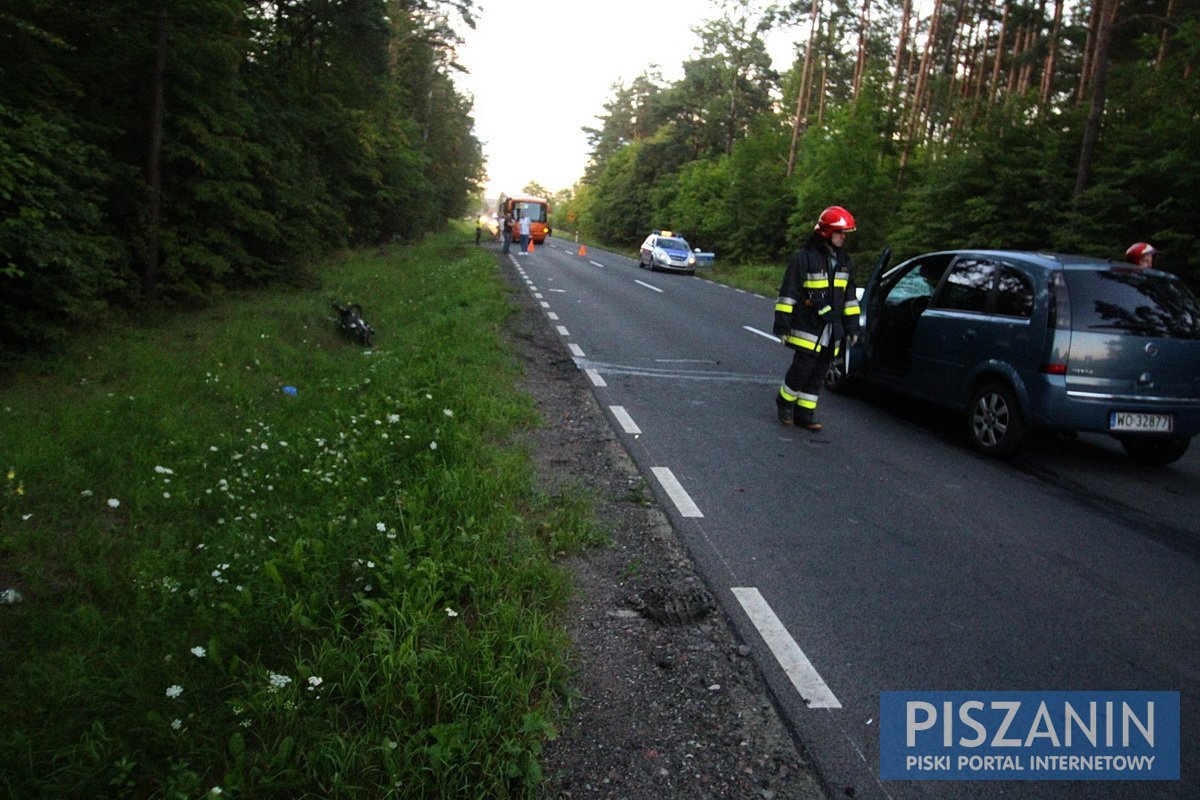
(1141, 254)
(524, 223)
(817, 308)
(506, 228)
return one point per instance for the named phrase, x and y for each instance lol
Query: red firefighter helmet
(1139, 249)
(834, 219)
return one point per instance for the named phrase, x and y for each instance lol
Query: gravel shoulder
(668, 702)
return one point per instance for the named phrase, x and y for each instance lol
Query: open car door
(838, 370)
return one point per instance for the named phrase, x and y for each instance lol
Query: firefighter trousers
(802, 383)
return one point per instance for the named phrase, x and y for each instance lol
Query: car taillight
(1059, 320)
(1060, 303)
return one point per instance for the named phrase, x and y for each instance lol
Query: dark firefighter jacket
(816, 293)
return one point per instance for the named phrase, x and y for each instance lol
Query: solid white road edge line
(674, 491)
(648, 286)
(789, 655)
(626, 421)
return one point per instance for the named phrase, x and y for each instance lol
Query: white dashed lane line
(596, 379)
(675, 491)
(627, 423)
(562, 331)
(596, 264)
(576, 350)
(648, 286)
(799, 669)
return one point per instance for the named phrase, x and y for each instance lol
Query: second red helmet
(834, 219)
(1137, 250)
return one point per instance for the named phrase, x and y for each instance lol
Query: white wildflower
(277, 681)
(447, 412)
(199, 652)
(113, 502)
(450, 612)
(174, 690)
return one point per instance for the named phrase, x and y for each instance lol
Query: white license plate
(1141, 423)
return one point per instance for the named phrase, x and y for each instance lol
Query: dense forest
(153, 152)
(1065, 125)
(159, 151)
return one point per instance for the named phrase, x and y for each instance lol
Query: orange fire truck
(536, 208)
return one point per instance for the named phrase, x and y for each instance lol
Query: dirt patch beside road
(670, 709)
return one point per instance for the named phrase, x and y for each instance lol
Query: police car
(667, 250)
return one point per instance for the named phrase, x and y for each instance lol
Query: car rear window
(1132, 302)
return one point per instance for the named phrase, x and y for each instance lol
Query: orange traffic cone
(530, 248)
(583, 249)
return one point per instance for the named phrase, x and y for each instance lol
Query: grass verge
(241, 555)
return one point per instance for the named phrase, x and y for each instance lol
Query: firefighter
(1141, 254)
(817, 311)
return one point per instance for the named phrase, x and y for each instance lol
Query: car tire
(994, 422)
(1156, 450)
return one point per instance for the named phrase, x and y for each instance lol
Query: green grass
(345, 592)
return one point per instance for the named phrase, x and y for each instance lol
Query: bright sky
(568, 54)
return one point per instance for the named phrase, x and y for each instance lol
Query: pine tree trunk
(901, 46)
(1000, 37)
(1051, 57)
(1089, 47)
(860, 63)
(801, 96)
(1091, 131)
(152, 253)
(919, 92)
(1172, 7)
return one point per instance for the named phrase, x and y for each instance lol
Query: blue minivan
(1024, 341)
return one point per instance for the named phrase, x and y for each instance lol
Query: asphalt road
(891, 556)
